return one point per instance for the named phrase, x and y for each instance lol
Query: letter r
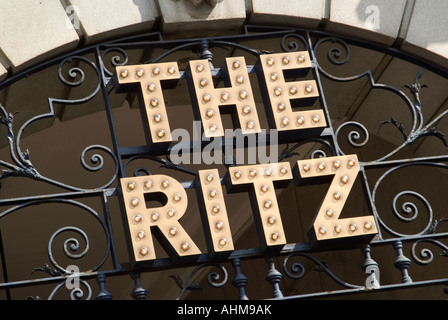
(141, 219)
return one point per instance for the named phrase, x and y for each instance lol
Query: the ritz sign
(257, 179)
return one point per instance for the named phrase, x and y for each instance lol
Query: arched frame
(96, 68)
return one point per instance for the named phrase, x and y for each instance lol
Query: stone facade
(33, 31)
(96, 22)
(30, 31)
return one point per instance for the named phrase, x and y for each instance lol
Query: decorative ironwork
(320, 266)
(23, 165)
(212, 279)
(337, 139)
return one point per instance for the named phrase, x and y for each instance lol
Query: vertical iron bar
(369, 199)
(274, 277)
(4, 269)
(402, 263)
(315, 70)
(206, 53)
(103, 294)
(138, 293)
(108, 222)
(370, 267)
(110, 117)
(240, 280)
(445, 289)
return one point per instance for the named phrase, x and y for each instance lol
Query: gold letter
(214, 210)
(238, 92)
(280, 93)
(166, 218)
(265, 206)
(327, 224)
(150, 77)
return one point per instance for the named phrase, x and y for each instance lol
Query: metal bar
(74, 195)
(409, 238)
(107, 219)
(389, 163)
(109, 113)
(4, 268)
(382, 288)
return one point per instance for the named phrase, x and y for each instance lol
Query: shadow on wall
(146, 8)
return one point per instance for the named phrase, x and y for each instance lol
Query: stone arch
(40, 30)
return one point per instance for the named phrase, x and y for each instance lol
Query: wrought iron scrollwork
(75, 293)
(121, 58)
(409, 210)
(23, 166)
(71, 245)
(212, 279)
(354, 136)
(98, 161)
(297, 270)
(426, 256)
(300, 43)
(335, 53)
(419, 130)
(336, 56)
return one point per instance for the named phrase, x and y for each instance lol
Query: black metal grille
(85, 213)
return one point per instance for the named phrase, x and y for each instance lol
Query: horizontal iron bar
(379, 242)
(388, 287)
(58, 279)
(75, 194)
(388, 163)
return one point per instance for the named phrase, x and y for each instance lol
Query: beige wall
(33, 31)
